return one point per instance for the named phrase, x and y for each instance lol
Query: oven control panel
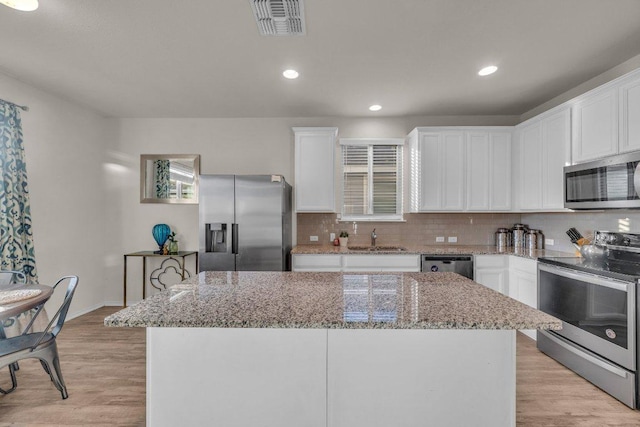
(618, 240)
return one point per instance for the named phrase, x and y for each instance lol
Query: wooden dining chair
(40, 345)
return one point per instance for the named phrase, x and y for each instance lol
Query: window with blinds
(372, 179)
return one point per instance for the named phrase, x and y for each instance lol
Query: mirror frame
(143, 173)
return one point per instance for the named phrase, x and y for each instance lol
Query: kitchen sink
(377, 248)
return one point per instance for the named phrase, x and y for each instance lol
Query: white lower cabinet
(356, 262)
(492, 271)
(410, 263)
(510, 275)
(523, 284)
(316, 262)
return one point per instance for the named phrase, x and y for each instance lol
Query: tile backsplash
(419, 228)
(555, 225)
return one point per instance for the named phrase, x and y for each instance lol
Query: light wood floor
(104, 369)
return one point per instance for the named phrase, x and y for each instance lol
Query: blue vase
(161, 233)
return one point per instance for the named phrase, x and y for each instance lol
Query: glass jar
(173, 247)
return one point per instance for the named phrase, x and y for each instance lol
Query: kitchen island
(330, 349)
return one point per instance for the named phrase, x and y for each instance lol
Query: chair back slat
(64, 308)
(8, 277)
(60, 316)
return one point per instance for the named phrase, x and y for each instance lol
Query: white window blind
(372, 179)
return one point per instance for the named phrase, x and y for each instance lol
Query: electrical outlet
(452, 239)
(332, 237)
(313, 238)
(440, 239)
(549, 242)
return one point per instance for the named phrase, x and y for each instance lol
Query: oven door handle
(586, 277)
(586, 356)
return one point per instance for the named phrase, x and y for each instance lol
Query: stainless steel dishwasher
(461, 264)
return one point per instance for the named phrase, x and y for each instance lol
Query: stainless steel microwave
(611, 183)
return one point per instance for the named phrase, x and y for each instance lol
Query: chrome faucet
(373, 237)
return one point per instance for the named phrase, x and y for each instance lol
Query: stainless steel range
(597, 301)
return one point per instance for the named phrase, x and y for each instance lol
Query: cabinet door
(453, 172)
(304, 262)
(478, 171)
(556, 153)
(500, 171)
(382, 262)
(523, 280)
(488, 171)
(595, 126)
(441, 171)
(431, 157)
(630, 115)
(530, 191)
(315, 169)
(494, 278)
(492, 271)
(523, 287)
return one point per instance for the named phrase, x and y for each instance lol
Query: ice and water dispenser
(216, 237)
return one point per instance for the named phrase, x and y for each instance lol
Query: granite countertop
(331, 300)
(428, 249)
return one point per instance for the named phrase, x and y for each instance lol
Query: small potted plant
(344, 238)
(172, 244)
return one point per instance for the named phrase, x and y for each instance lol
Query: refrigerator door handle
(234, 238)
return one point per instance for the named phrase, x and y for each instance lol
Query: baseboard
(113, 304)
(85, 311)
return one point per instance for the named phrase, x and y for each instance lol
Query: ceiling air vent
(279, 17)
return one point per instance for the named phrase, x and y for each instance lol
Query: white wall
(226, 146)
(611, 74)
(64, 146)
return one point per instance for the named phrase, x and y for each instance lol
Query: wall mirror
(169, 178)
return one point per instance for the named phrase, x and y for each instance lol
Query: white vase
(343, 241)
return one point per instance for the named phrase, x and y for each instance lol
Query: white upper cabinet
(595, 125)
(478, 170)
(543, 150)
(437, 170)
(531, 166)
(453, 161)
(630, 116)
(315, 153)
(606, 120)
(501, 177)
(488, 170)
(460, 169)
(556, 154)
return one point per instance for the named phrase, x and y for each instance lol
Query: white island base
(240, 377)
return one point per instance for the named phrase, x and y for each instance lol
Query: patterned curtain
(16, 239)
(161, 178)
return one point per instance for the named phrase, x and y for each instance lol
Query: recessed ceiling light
(24, 5)
(488, 70)
(375, 107)
(290, 74)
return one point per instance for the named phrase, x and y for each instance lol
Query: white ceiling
(204, 58)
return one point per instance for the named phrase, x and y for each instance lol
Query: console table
(150, 254)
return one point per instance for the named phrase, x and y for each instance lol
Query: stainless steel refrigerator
(245, 223)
